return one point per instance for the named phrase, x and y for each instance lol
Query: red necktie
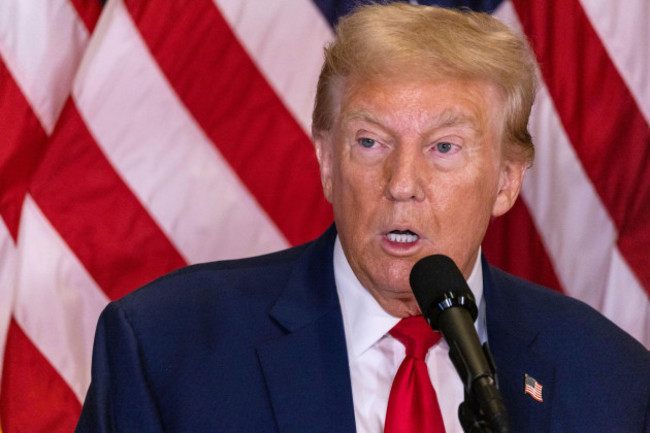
(412, 404)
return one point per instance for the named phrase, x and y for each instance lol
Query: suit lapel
(513, 339)
(515, 360)
(306, 370)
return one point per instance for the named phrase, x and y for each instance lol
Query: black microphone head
(438, 284)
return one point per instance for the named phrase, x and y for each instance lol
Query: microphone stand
(471, 423)
(472, 418)
(448, 304)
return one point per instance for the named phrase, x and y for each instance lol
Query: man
(420, 132)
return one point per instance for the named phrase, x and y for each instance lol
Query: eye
(367, 142)
(444, 147)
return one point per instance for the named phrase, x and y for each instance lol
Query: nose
(405, 174)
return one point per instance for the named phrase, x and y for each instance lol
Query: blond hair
(398, 39)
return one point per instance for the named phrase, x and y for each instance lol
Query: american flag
(533, 388)
(138, 137)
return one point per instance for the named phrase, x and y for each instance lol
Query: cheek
(471, 188)
(357, 184)
(484, 199)
(468, 205)
(347, 196)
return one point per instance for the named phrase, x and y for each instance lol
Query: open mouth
(402, 236)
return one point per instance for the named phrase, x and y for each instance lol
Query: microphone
(448, 305)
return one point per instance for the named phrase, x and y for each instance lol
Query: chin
(399, 286)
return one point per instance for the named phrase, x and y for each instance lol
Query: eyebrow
(447, 118)
(360, 115)
(455, 118)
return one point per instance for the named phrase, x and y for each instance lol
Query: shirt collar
(365, 321)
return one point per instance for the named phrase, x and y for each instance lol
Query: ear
(510, 180)
(324, 153)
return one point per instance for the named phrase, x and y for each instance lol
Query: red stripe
(22, 142)
(602, 120)
(96, 213)
(513, 244)
(238, 110)
(33, 397)
(88, 11)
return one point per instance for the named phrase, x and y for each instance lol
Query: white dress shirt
(375, 356)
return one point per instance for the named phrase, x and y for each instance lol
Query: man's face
(413, 169)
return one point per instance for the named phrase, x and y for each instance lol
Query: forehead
(421, 104)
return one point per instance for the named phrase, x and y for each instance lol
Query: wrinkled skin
(414, 168)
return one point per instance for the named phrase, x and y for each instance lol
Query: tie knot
(416, 335)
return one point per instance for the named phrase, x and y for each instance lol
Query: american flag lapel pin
(532, 387)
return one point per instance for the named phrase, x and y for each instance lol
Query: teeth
(402, 237)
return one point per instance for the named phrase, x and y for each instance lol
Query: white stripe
(629, 308)
(624, 29)
(161, 152)
(57, 303)
(285, 38)
(574, 224)
(8, 255)
(42, 43)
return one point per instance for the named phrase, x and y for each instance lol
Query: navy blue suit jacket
(257, 345)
